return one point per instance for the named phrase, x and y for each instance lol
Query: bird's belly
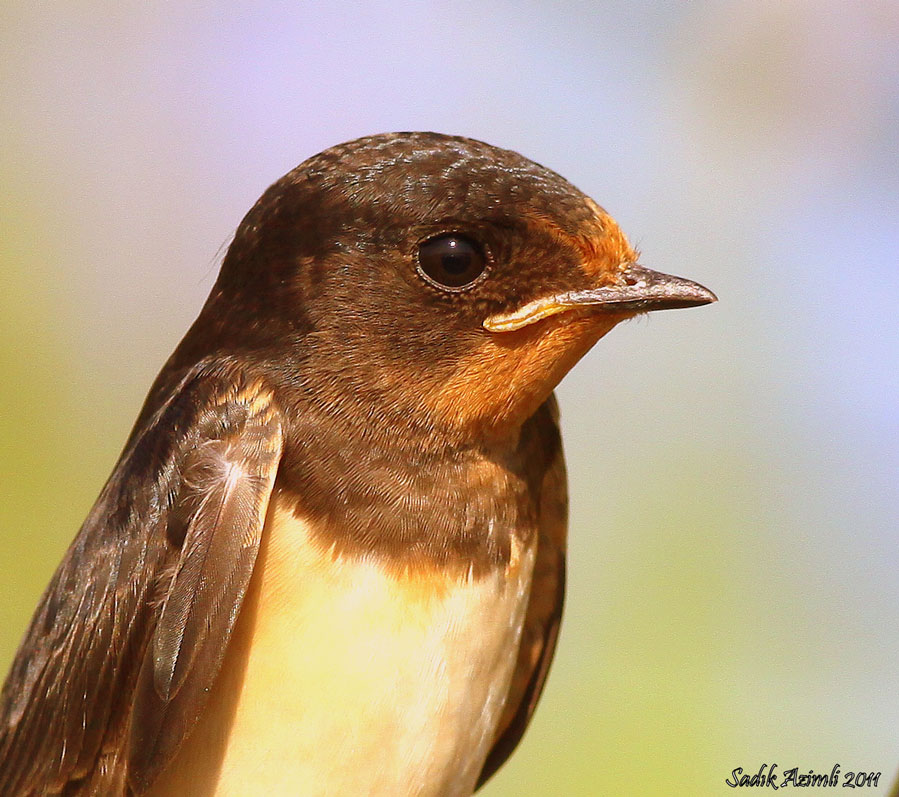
(344, 679)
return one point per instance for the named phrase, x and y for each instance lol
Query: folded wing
(131, 632)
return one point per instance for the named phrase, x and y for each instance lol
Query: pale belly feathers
(342, 679)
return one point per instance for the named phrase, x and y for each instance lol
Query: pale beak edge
(639, 291)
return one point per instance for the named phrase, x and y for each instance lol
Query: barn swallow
(331, 558)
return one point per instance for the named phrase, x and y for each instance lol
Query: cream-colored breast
(344, 679)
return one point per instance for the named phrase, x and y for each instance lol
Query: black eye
(451, 261)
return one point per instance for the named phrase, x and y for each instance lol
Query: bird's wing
(131, 632)
(544, 612)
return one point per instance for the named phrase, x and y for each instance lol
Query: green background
(734, 469)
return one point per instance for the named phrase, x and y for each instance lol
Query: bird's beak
(638, 290)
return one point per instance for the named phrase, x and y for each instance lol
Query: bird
(331, 557)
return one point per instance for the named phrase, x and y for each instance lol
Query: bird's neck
(404, 494)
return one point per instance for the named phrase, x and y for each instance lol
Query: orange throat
(505, 379)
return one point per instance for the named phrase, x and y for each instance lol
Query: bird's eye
(451, 261)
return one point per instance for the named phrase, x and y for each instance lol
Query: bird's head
(433, 278)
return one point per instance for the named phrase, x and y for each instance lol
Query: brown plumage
(362, 410)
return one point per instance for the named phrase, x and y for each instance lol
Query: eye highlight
(451, 261)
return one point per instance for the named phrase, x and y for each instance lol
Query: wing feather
(203, 601)
(151, 585)
(544, 612)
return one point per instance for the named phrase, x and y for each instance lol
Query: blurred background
(734, 469)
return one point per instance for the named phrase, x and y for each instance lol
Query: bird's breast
(345, 677)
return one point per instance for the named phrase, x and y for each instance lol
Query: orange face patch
(603, 247)
(505, 379)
